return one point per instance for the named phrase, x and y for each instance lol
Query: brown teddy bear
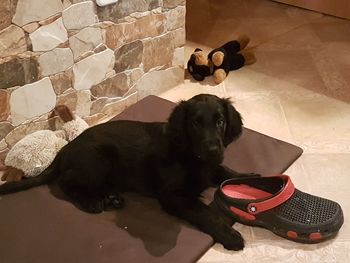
(220, 61)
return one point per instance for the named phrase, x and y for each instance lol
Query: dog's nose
(213, 148)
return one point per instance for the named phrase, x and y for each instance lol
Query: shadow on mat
(142, 218)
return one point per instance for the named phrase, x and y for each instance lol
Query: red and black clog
(275, 204)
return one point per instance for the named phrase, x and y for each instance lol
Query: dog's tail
(47, 176)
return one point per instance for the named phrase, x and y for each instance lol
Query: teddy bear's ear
(197, 49)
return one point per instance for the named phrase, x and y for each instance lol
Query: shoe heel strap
(286, 192)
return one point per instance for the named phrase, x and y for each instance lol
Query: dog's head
(198, 65)
(203, 126)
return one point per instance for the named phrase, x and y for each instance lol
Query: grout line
(279, 35)
(285, 118)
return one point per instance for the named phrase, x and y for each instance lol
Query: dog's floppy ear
(176, 125)
(233, 122)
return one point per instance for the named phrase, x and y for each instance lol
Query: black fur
(174, 162)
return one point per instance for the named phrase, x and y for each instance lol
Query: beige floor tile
(275, 251)
(247, 80)
(263, 113)
(329, 178)
(296, 91)
(191, 88)
(300, 38)
(318, 123)
(330, 29)
(298, 175)
(341, 251)
(294, 66)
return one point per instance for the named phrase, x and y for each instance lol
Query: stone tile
(22, 130)
(157, 51)
(66, 3)
(95, 119)
(159, 81)
(172, 3)
(115, 86)
(179, 37)
(85, 55)
(3, 146)
(93, 69)
(176, 18)
(178, 57)
(4, 105)
(30, 28)
(97, 105)
(33, 10)
(32, 100)
(5, 128)
(18, 72)
(135, 75)
(69, 99)
(50, 20)
(79, 15)
(62, 81)
(12, 41)
(124, 8)
(64, 45)
(3, 154)
(83, 103)
(128, 56)
(87, 39)
(5, 14)
(55, 61)
(147, 26)
(100, 48)
(117, 107)
(48, 37)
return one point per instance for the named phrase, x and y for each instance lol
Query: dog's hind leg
(90, 200)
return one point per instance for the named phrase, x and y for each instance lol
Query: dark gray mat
(35, 226)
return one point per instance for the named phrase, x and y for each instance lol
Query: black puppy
(173, 161)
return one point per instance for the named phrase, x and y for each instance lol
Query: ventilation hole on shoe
(307, 209)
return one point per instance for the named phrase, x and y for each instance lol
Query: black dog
(172, 161)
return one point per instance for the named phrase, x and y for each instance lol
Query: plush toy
(220, 61)
(35, 152)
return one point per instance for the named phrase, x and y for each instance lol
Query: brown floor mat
(35, 226)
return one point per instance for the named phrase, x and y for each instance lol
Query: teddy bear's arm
(217, 56)
(219, 75)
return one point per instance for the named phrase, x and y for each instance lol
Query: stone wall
(96, 60)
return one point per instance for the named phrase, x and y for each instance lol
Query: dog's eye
(220, 123)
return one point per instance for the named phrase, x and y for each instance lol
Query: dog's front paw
(231, 240)
(116, 200)
(94, 206)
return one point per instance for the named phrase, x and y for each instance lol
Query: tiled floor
(298, 91)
